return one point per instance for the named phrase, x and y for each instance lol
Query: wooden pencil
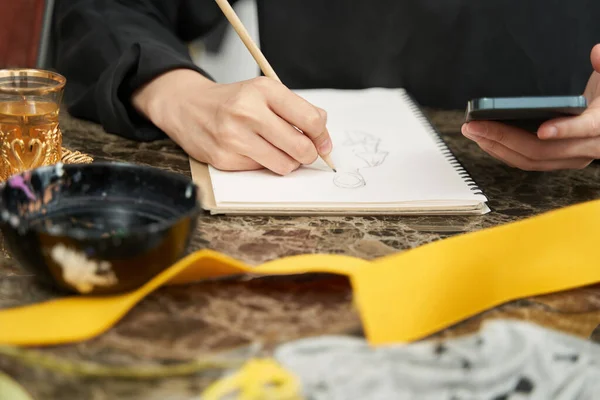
(256, 53)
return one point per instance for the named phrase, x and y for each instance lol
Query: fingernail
(473, 129)
(465, 131)
(551, 131)
(325, 147)
(322, 112)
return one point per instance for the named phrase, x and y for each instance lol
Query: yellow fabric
(402, 297)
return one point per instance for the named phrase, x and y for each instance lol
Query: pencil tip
(329, 163)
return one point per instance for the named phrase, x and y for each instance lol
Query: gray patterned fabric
(505, 360)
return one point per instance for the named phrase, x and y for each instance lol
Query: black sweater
(442, 51)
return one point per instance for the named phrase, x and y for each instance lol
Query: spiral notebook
(389, 159)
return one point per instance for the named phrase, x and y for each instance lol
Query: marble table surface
(182, 324)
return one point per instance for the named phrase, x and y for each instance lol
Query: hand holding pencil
(250, 125)
(262, 62)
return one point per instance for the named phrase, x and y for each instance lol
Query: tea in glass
(30, 136)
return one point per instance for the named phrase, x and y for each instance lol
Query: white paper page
(382, 152)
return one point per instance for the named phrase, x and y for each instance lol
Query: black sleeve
(108, 48)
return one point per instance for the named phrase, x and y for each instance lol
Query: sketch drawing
(365, 153)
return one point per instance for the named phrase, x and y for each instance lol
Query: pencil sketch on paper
(366, 153)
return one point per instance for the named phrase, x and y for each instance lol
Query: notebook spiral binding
(448, 154)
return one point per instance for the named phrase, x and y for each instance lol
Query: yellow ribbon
(400, 298)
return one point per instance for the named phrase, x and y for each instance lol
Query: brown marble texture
(179, 324)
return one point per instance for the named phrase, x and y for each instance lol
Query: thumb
(322, 113)
(323, 141)
(595, 58)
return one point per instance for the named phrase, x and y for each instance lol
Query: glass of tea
(29, 106)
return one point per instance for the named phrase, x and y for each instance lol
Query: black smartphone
(527, 113)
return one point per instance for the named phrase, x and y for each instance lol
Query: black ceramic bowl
(99, 228)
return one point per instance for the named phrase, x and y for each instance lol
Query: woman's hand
(563, 143)
(239, 126)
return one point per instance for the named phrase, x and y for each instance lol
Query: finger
(520, 161)
(588, 123)
(595, 57)
(585, 125)
(530, 145)
(211, 153)
(267, 155)
(498, 157)
(311, 120)
(288, 139)
(226, 161)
